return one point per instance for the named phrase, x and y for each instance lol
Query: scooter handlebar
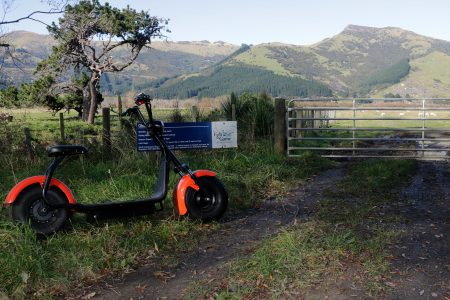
(125, 113)
(128, 112)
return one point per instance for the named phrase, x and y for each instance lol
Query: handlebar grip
(128, 112)
(125, 113)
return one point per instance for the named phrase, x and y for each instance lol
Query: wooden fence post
(61, 127)
(194, 113)
(233, 112)
(106, 134)
(119, 107)
(82, 133)
(280, 126)
(28, 146)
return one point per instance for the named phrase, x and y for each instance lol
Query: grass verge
(87, 252)
(346, 239)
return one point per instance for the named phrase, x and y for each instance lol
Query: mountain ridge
(358, 61)
(164, 59)
(346, 60)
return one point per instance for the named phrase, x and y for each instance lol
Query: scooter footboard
(179, 193)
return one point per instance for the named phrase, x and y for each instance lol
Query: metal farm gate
(389, 128)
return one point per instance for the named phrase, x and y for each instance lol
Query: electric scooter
(46, 203)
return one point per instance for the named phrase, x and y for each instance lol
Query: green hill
(430, 77)
(164, 59)
(362, 61)
(358, 61)
(359, 54)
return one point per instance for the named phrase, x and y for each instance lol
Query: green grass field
(400, 114)
(45, 126)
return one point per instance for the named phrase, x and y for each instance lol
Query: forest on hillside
(241, 79)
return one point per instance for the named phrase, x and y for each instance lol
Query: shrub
(176, 115)
(254, 113)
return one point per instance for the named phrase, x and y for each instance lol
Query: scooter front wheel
(207, 206)
(30, 208)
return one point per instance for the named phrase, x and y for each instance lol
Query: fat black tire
(30, 208)
(199, 207)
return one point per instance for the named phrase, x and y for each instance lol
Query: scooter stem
(48, 177)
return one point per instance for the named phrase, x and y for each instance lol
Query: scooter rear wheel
(30, 208)
(205, 208)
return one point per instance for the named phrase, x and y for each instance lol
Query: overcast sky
(288, 21)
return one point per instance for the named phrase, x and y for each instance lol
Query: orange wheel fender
(18, 188)
(186, 182)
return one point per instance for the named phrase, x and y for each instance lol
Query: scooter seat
(63, 150)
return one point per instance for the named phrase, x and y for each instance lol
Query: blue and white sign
(191, 135)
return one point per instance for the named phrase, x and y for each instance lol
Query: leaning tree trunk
(86, 103)
(93, 105)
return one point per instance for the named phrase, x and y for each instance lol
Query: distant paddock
(205, 103)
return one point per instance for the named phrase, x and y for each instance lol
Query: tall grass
(87, 251)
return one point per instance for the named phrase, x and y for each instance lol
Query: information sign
(191, 135)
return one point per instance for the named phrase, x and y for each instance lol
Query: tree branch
(29, 17)
(110, 67)
(39, 21)
(105, 46)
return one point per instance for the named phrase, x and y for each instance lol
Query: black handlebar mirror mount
(142, 98)
(139, 100)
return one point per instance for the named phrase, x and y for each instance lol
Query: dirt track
(420, 266)
(421, 263)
